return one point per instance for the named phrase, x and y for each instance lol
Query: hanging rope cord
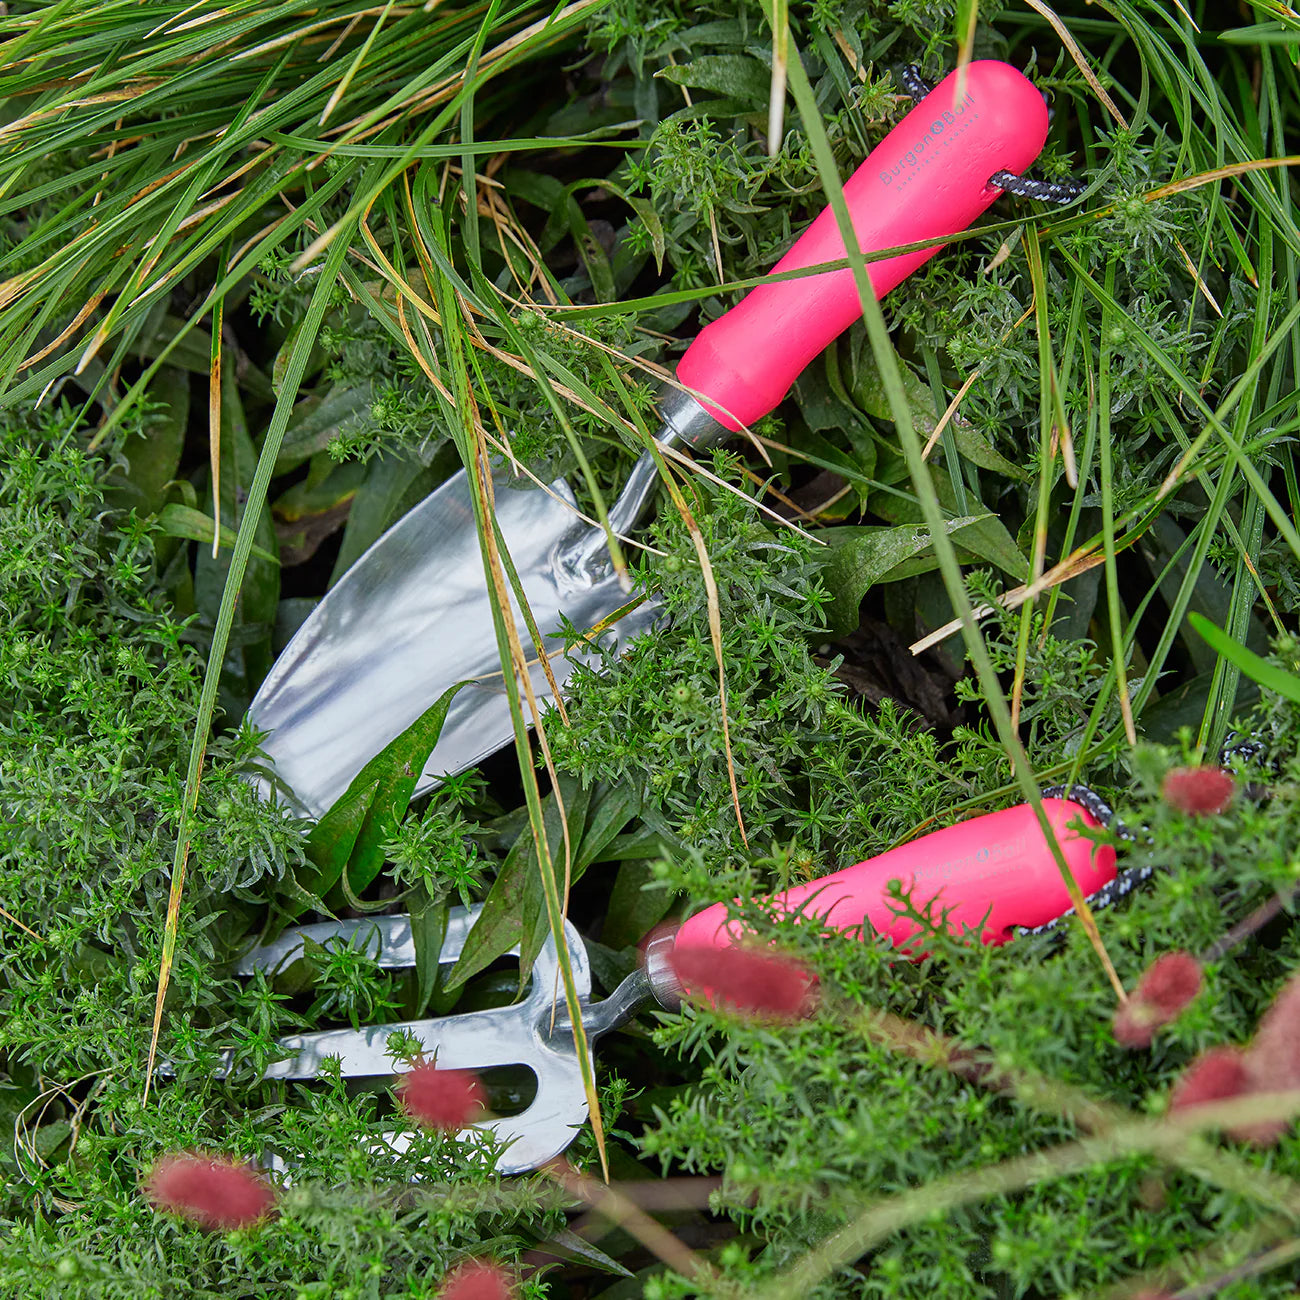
(1025, 187)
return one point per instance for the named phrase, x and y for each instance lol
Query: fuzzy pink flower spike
(1275, 1052)
(477, 1279)
(442, 1099)
(1198, 791)
(1167, 986)
(1270, 1064)
(1217, 1075)
(751, 982)
(214, 1192)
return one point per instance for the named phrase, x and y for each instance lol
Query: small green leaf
(612, 808)
(327, 485)
(861, 557)
(568, 1240)
(428, 930)
(308, 512)
(191, 352)
(592, 252)
(280, 365)
(982, 537)
(332, 839)
(514, 911)
(734, 75)
(50, 1137)
(977, 449)
(985, 537)
(633, 909)
(1259, 670)
(502, 922)
(316, 422)
(250, 654)
(351, 835)
(176, 520)
(1260, 34)
(869, 393)
(153, 454)
(649, 218)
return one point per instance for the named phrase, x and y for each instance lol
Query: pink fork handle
(928, 178)
(998, 867)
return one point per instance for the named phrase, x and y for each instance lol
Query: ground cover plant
(271, 272)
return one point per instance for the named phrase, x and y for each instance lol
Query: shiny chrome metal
(685, 423)
(617, 1009)
(535, 1032)
(387, 939)
(521, 1034)
(412, 617)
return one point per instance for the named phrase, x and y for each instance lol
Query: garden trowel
(412, 616)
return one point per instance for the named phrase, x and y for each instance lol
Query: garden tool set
(990, 877)
(412, 618)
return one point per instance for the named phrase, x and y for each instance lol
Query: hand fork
(993, 876)
(521, 1034)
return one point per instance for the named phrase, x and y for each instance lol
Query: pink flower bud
(1221, 1074)
(1216, 1075)
(1165, 989)
(442, 1099)
(748, 981)
(1198, 790)
(214, 1192)
(477, 1279)
(1275, 1053)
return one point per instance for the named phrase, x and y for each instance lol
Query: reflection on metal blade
(411, 618)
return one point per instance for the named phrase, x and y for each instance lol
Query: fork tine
(387, 938)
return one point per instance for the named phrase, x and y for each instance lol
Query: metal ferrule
(685, 423)
(654, 978)
(660, 973)
(609, 1013)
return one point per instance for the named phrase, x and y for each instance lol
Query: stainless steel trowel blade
(411, 618)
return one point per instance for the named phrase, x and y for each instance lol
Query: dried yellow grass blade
(214, 422)
(1080, 59)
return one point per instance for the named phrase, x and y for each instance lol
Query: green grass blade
(1259, 670)
(315, 314)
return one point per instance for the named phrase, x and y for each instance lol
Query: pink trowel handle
(928, 178)
(996, 872)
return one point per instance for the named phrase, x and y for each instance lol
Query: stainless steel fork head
(521, 1034)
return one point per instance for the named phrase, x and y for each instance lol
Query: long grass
(345, 140)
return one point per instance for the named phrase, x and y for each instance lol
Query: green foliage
(811, 1125)
(810, 769)
(347, 846)
(100, 690)
(152, 175)
(1064, 683)
(436, 850)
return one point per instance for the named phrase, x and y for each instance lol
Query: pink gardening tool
(993, 874)
(412, 616)
(409, 619)
(930, 177)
